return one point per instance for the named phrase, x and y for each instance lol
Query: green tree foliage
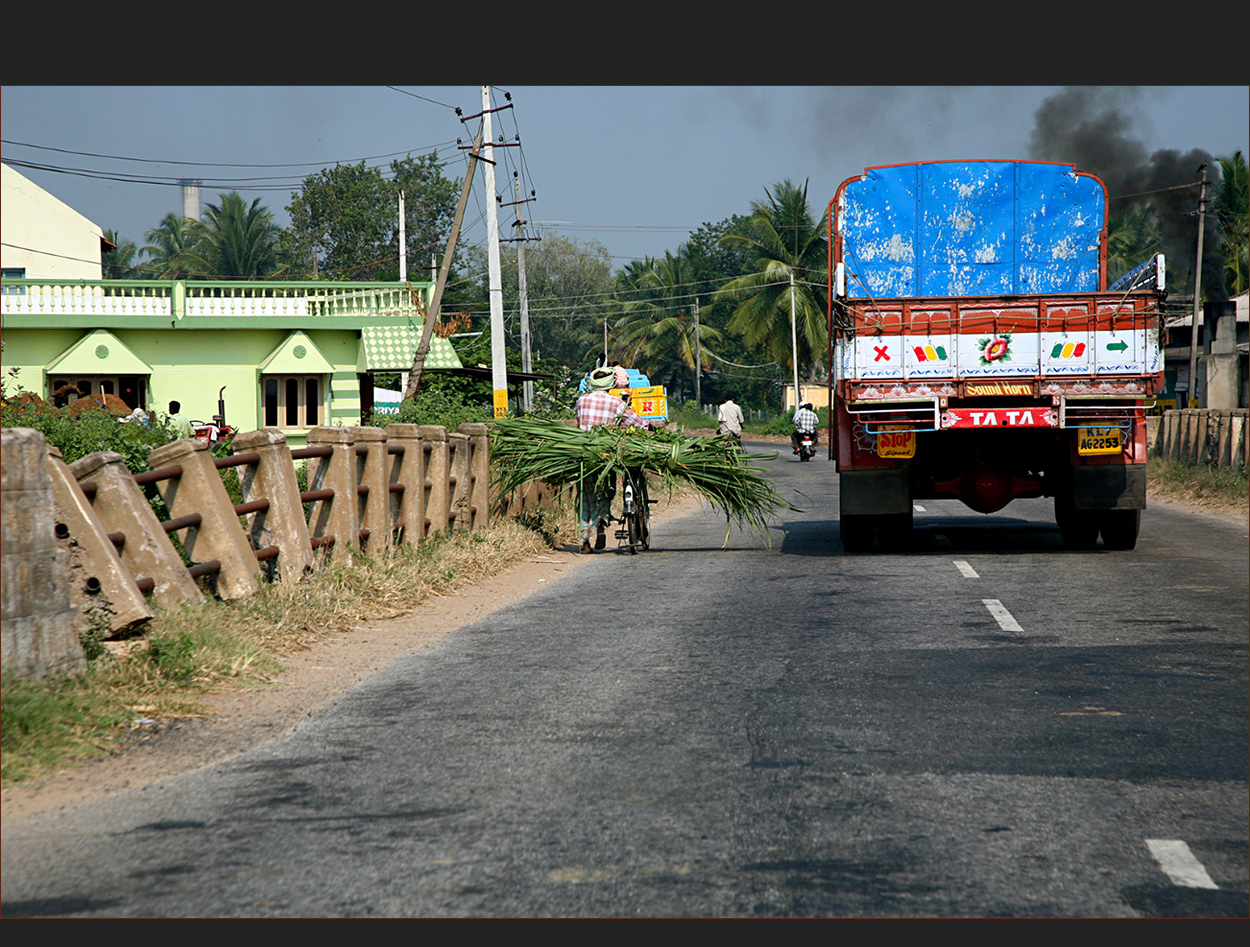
(569, 286)
(657, 327)
(345, 219)
(714, 262)
(168, 246)
(784, 240)
(1132, 237)
(734, 371)
(120, 259)
(235, 240)
(429, 209)
(1231, 209)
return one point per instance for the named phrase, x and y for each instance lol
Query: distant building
(1223, 363)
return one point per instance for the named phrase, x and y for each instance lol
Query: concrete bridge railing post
(282, 525)
(217, 535)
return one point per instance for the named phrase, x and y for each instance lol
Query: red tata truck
(978, 354)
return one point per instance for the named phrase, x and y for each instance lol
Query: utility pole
(403, 243)
(498, 358)
(698, 359)
(423, 349)
(527, 387)
(1197, 314)
(794, 346)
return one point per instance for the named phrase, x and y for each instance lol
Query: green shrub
(88, 432)
(783, 424)
(438, 403)
(1171, 477)
(688, 415)
(174, 657)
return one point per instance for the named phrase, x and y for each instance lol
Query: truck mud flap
(871, 492)
(1109, 487)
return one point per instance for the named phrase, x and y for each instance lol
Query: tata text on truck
(978, 353)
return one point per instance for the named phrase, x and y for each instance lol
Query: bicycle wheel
(632, 529)
(644, 514)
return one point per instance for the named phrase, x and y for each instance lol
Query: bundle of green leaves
(533, 449)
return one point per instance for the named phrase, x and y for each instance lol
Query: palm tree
(235, 240)
(1231, 209)
(119, 262)
(658, 328)
(169, 244)
(1131, 239)
(786, 241)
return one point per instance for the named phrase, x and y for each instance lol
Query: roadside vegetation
(1219, 489)
(688, 417)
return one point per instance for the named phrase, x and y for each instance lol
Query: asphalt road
(984, 725)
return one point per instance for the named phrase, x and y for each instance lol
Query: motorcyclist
(805, 422)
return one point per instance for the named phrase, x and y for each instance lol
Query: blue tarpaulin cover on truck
(975, 228)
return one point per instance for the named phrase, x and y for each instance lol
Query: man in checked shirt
(596, 407)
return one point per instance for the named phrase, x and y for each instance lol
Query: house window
(292, 400)
(132, 389)
(17, 272)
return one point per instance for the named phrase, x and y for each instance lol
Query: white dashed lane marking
(1001, 615)
(1179, 863)
(967, 570)
(917, 507)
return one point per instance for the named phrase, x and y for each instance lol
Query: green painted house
(290, 355)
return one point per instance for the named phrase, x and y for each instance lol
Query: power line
(212, 164)
(421, 97)
(269, 184)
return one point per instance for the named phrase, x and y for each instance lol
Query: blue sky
(634, 167)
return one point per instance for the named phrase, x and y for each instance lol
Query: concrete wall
(1221, 363)
(1204, 436)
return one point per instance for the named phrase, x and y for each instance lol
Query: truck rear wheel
(856, 532)
(1079, 528)
(894, 530)
(1119, 528)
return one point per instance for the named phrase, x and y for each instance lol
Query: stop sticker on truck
(896, 441)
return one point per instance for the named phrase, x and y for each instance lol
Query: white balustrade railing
(238, 304)
(174, 300)
(83, 299)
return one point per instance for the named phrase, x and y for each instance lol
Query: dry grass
(1219, 490)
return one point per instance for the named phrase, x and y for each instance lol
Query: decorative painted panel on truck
(1007, 339)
